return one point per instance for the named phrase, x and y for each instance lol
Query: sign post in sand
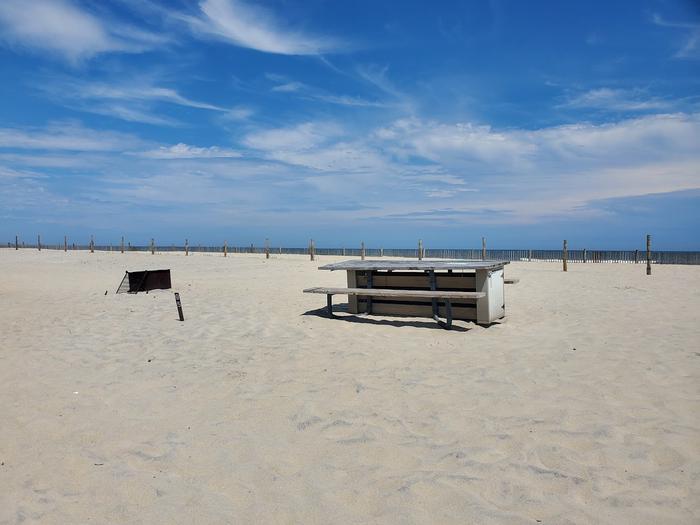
(179, 306)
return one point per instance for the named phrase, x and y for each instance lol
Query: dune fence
(564, 255)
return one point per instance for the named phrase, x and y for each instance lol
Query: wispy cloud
(254, 27)
(304, 136)
(62, 27)
(691, 44)
(133, 102)
(289, 87)
(10, 173)
(69, 136)
(308, 92)
(137, 91)
(185, 151)
(379, 78)
(618, 100)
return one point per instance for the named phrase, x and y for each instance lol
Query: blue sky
(526, 122)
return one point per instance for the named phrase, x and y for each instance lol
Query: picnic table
(459, 289)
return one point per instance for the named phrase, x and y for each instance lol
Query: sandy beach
(583, 406)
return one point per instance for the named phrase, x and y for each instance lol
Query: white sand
(583, 407)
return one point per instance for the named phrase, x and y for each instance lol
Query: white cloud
(185, 151)
(306, 136)
(254, 27)
(68, 136)
(617, 100)
(60, 26)
(513, 175)
(462, 141)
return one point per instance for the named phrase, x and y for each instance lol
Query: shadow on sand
(365, 319)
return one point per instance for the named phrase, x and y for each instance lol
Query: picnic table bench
(468, 290)
(385, 292)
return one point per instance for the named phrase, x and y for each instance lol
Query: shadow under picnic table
(366, 319)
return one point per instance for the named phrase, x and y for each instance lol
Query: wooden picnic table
(484, 277)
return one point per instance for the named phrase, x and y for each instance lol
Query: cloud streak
(133, 102)
(68, 136)
(254, 27)
(308, 92)
(691, 45)
(618, 100)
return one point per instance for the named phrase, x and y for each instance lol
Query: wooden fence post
(362, 250)
(648, 254)
(38, 242)
(312, 255)
(565, 254)
(225, 249)
(420, 249)
(153, 247)
(65, 243)
(16, 242)
(187, 248)
(121, 246)
(636, 256)
(529, 256)
(584, 254)
(483, 248)
(267, 248)
(252, 250)
(92, 244)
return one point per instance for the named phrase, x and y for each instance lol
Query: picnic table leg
(369, 285)
(433, 287)
(353, 305)
(448, 313)
(329, 304)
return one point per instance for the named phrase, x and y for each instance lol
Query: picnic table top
(413, 264)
